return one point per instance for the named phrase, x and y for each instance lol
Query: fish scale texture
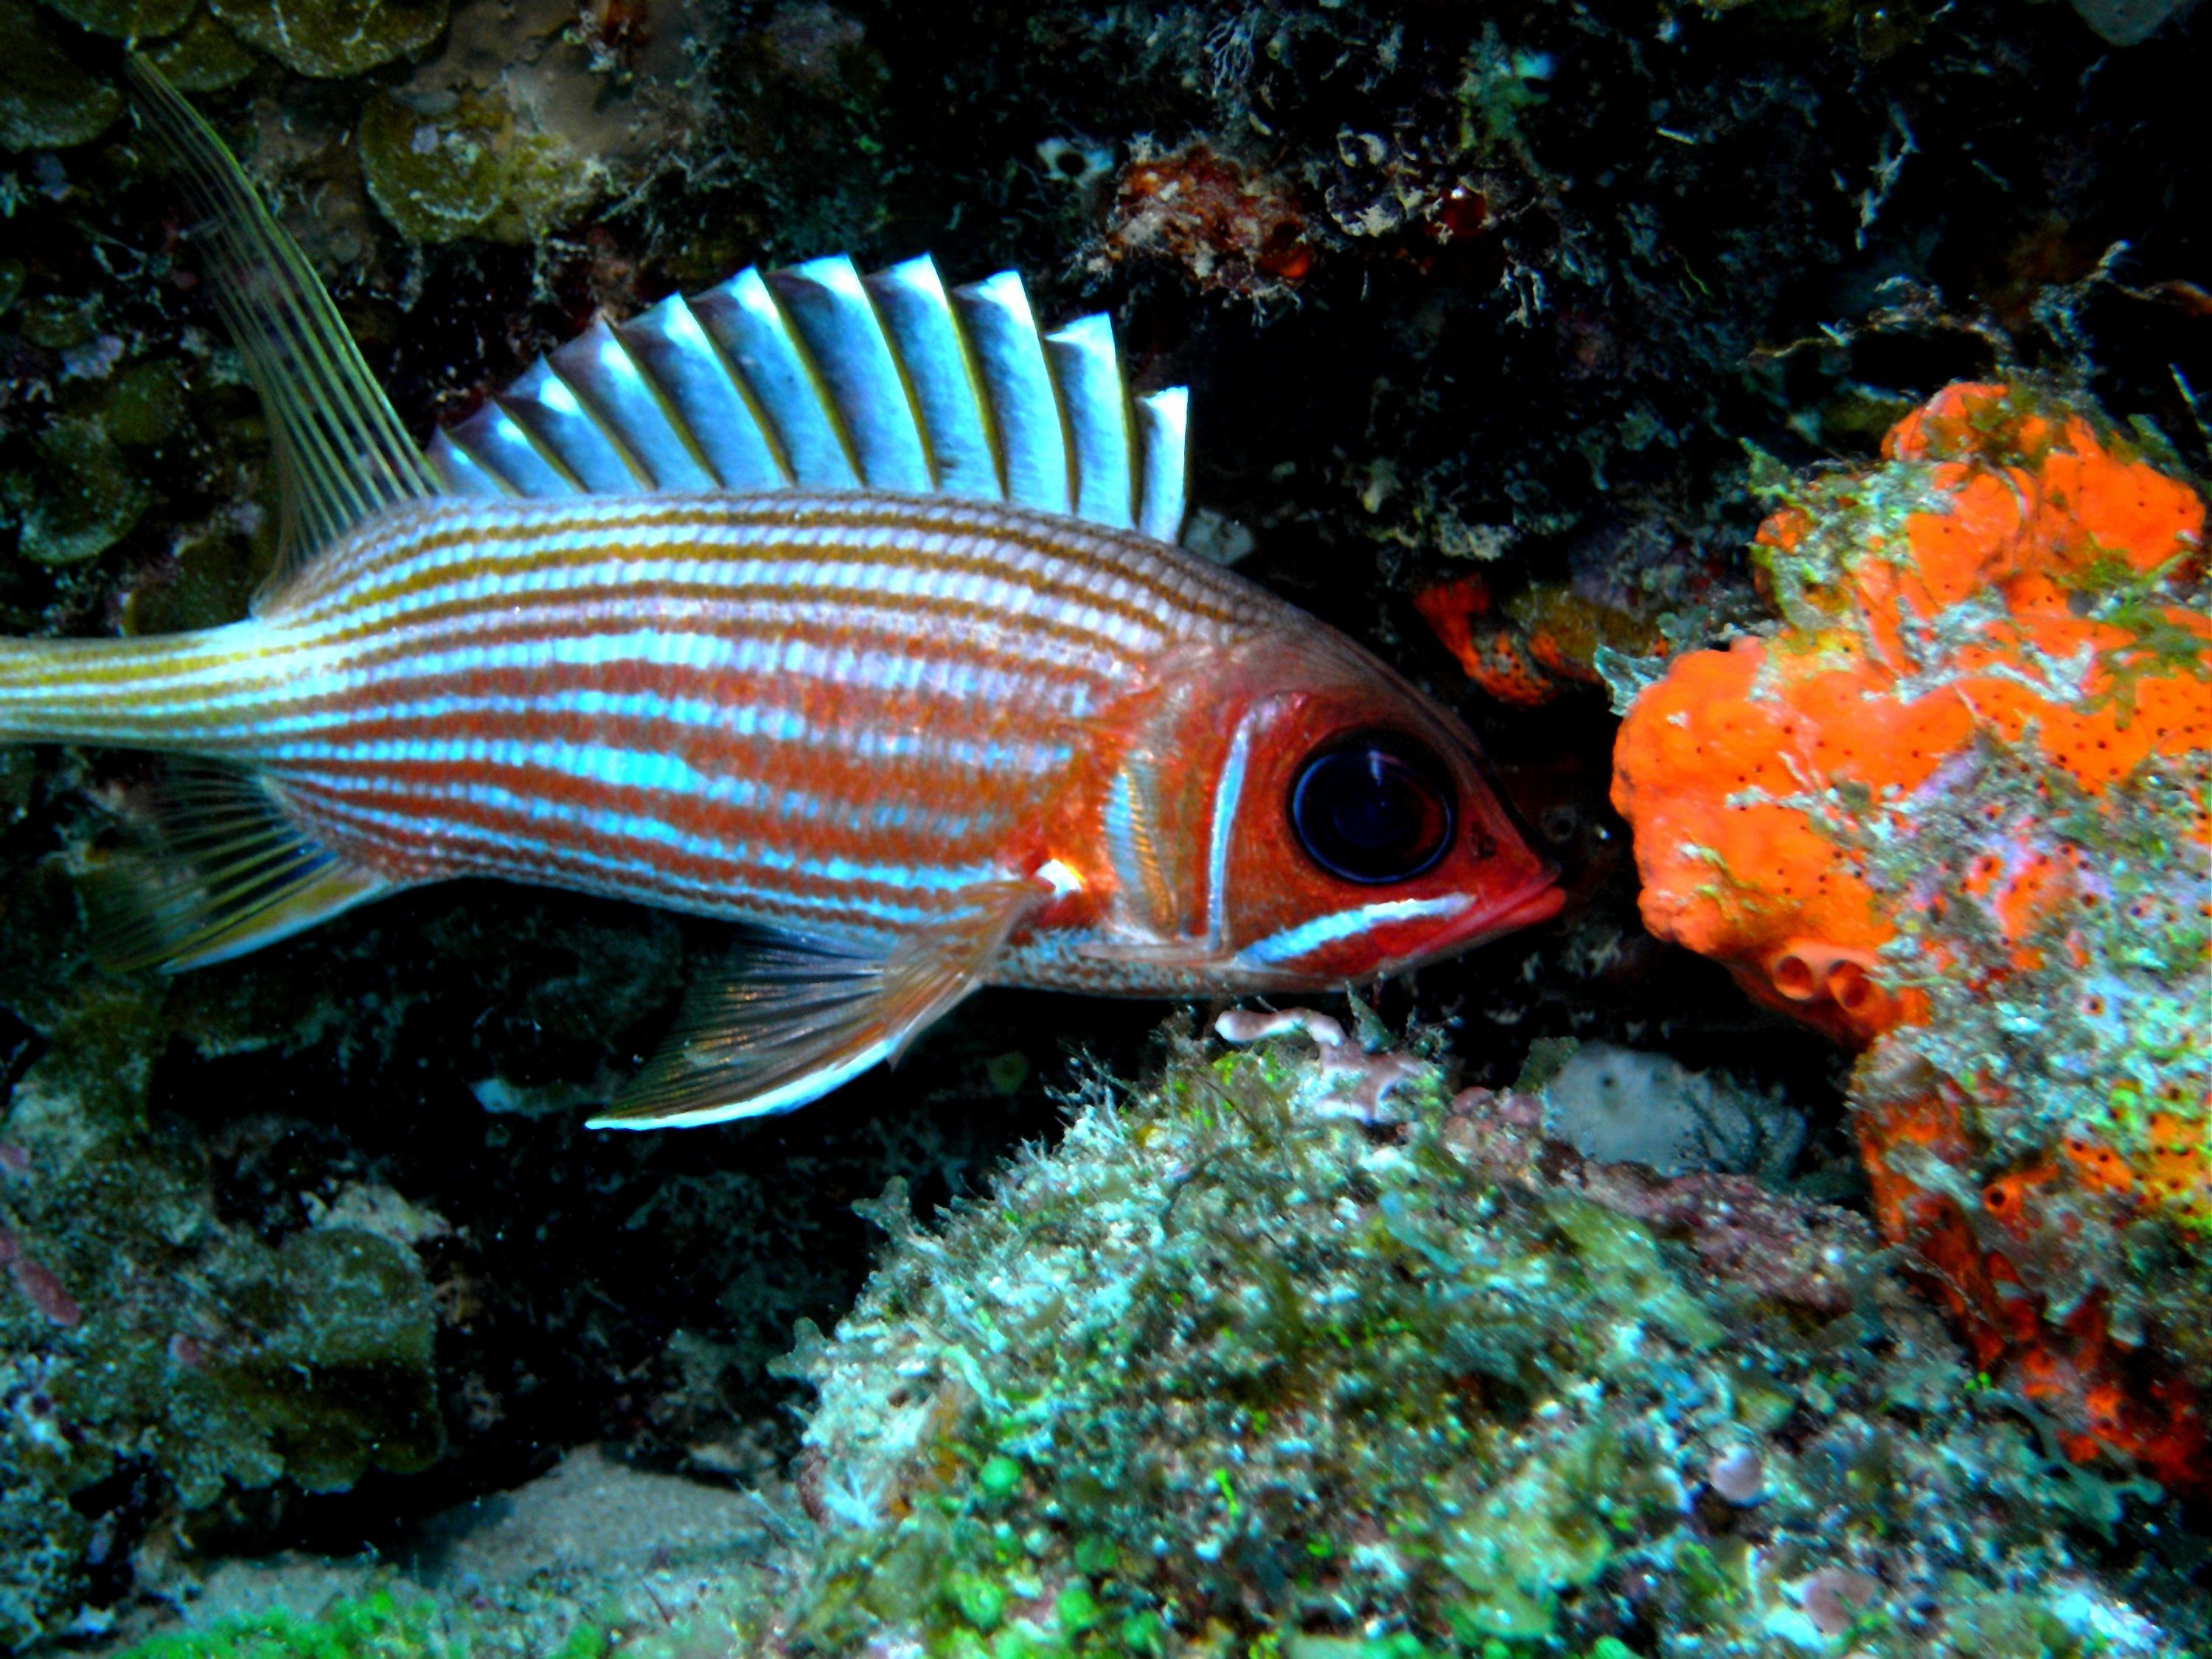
(832, 710)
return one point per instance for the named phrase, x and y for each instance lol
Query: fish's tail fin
(224, 868)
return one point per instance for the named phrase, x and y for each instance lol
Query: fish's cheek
(1290, 924)
(1280, 918)
(1178, 757)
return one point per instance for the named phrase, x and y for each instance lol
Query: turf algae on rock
(334, 38)
(83, 499)
(47, 102)
(156, 1359)
(205, 57)
(128, 19)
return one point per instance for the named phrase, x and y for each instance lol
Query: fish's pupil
(1372, 809)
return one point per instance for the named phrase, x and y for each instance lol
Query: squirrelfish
(843, 608)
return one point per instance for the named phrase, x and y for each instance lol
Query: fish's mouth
(1539, 900)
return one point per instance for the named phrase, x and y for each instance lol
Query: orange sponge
(1957, 812)
(2008, 571)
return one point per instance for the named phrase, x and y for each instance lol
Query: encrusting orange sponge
(1957, 812)
(1933, 602)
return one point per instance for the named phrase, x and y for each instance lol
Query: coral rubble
(1958, 810)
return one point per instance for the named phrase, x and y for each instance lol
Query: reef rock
(1316, 1356)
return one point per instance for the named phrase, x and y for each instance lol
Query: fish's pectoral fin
(795, 1017)
(341, 452)
(227, 873)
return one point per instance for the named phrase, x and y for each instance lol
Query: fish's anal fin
(228, 874)
(341, 454)
(794, 1017)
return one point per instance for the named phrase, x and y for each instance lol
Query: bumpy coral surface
(1239, 1368)
(148, 1348)
(1960, 809)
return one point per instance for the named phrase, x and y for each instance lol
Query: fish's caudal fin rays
(818, 378)
(341, 454)
(230, 874)
(794, 1018)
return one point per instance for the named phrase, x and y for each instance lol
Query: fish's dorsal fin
(820, 378)
(794, 1017)
(230, 874)
(341, 452)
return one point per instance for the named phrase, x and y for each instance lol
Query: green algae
(334, 38)
(148, 1335)
(1227, 1373)
(146, 403)
(377, 1626)
(56, 321)
(205, 57)
(436, 178)
(83, 498)
(208, 581)
(127, 20)
(471, 170)
(47, 102)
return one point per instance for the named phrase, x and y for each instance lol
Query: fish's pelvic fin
(820, 378)
(341, 452)
(228, 874)
(795, 1017)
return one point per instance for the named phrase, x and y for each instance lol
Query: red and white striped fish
(841, 608)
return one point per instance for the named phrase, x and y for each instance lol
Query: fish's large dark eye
(1372, 809)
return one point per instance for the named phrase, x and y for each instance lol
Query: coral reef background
(1498, 322)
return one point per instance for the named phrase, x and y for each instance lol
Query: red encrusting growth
(1544, 639)
(1229, 225)
(1910, 809)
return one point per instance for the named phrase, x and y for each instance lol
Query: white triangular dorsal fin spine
(1088, 373)
(1034, 450)
(1162, 444)
(706, 396)
(599, 367)
(232, 874)
(747, 322)
(944, 376)
(341, 454)
(511, 452)
(796, 1018)
(459, 472)
(570, 431)
(834, 315)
